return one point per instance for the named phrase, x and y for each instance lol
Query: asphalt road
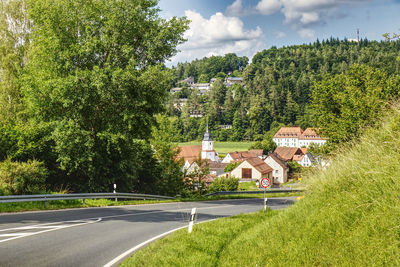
(96, 236)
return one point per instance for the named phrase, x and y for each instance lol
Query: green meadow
(223, 147)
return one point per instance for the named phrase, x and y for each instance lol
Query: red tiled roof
(291, 132)
(303, 150)
(287, 153)
(311, 134)
(259, 165)
(242, 155)
(190, 153)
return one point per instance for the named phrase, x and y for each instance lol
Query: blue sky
(245, 27)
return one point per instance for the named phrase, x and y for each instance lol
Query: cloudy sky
(245, 27)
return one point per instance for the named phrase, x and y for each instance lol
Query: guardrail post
(192, 220)
(83, 200)
(44, 202)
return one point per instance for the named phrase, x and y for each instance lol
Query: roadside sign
(265, 182)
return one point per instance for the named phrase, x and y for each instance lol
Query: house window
(246, 173)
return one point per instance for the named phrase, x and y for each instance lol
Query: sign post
(265, 183)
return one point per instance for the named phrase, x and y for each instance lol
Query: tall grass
(351, 217)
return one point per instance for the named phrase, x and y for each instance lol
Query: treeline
(202, 70)
(278, 89)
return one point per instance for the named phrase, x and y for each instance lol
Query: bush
(18, 178)
(224, 184)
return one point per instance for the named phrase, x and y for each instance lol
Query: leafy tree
(98, 79)
(170, 182)
(15, 28)
(231, 166)
(345, 103)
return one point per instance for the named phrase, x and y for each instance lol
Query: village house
(288, 153)
(189, 81)
(242, 155)
(280, 168)
(252, 169)
(296, 137)
(229, 81)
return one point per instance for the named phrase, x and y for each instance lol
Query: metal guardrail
(83, 196)
(270, 191)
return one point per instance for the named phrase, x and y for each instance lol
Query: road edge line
(137, 247)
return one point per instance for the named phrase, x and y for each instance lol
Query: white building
(309, 137)
(295, 137)
(280, 168)
(253, 169)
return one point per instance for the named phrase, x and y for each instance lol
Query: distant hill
(277, 86)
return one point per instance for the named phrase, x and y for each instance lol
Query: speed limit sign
(265, 182)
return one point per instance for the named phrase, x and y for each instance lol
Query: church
(205, 151)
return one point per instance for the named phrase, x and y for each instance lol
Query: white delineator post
(192, 219)
(115, 191)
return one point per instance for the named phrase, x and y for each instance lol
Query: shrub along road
(95, 236)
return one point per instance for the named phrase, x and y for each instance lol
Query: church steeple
(207, 135)
(208, 151)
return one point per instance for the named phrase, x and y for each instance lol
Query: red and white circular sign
(265, 182)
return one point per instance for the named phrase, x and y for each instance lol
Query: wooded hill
(277, 87)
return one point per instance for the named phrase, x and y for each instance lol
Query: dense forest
(277, 87)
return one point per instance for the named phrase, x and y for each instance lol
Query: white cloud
(217, 35)
(236, 9)
(306, 33)
(280, 35)
(268, 7)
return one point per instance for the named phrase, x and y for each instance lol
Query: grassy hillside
(351, 217)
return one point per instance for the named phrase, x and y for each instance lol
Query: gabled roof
(259, 165)
(304, 150)
(190, 153)
(242, 155)
(287, 153)
(278, 160)
(311, 134)
(298, 157)
(289, 132)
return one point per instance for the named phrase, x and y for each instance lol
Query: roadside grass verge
(77, 203)
(203, 247)
(351, 217)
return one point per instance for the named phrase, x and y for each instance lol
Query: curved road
(96, 236)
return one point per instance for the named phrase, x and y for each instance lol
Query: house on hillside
(296, 137)
(189, 81)
(280, 168)
(253, 169)
(309, 137)
(242, 155)
(288, 137)
(229, 81)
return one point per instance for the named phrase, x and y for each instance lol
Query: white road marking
(130, 251)
(48, 226)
